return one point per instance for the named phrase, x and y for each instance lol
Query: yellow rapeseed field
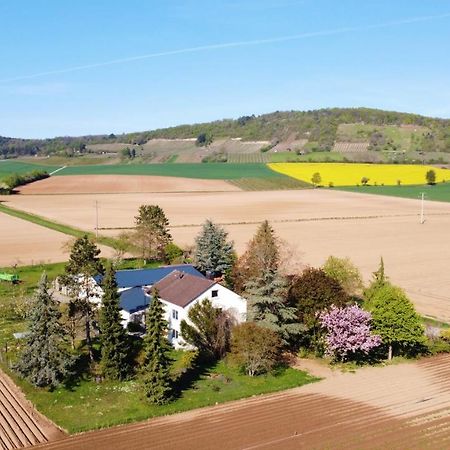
(345, 174)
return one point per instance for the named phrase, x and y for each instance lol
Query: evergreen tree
(262, 254)
(114, 345)
(151, 235)
(396, 321)
(379, 280)
(45, 360)
(212, 252)
(267, 305)
(83, 264)
(156, 369)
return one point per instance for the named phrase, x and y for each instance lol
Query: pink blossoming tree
(348, 333)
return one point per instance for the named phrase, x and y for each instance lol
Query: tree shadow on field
(187, 378)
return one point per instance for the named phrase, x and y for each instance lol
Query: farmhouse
(179, 288)
(131, 285)
(180, 291)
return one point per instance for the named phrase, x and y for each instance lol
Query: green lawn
(438, 192)
(90, 405)
(11, 294)
(7, 167)
(217, 171)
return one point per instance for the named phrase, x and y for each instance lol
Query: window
(174, 314)
(215, 293)
(174, 334)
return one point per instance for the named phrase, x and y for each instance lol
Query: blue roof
(133, 300)
(145, 277)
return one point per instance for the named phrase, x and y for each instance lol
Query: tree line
(16, 179)
(318, 126)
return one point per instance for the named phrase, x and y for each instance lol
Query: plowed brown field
(396, 407)
(315, 223)
(20, 425)
(106, 184)
(24, 243)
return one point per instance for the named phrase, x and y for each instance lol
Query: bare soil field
(106, 184)
(315, 223)
(24, 243)
(20, 424)
(397, 407)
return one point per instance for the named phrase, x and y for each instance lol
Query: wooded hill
(336, 129)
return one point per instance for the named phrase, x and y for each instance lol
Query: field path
(397, 407)
(20, 424)
(57, 170)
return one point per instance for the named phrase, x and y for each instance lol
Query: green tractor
(12, 278)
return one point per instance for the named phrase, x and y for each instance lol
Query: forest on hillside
(319, 127)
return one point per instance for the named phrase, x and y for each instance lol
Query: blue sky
(375, 53)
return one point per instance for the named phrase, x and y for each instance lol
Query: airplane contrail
(202, 48)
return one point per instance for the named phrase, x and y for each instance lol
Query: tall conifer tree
(213, 253)
(45, 360)
(264, 286)
(84, 263)
(262, 253)
(114, 351)
(156, 369)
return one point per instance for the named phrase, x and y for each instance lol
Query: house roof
(181, 288)
(134, 299)
(146, 277)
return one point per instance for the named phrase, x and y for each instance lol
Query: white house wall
(226, 299)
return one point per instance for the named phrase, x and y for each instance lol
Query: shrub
(445, 334)
(15, 180)
(204, 140)
(431, 177)
(257, 350)
(173, 253)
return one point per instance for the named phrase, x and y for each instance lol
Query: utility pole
(96, 218)
(422, 218)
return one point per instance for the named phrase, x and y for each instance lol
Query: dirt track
(397, 407)
(20, 425)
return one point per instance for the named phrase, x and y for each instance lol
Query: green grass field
(438, 192)
(213, 171)
(270, 184)
(8, 167)
(11, 295)
(90, 405)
